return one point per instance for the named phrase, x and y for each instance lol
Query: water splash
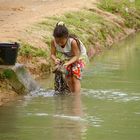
(42, 92)
(25, 78)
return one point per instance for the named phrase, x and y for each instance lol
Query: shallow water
(108, 108)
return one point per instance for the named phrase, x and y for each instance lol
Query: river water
(108, 108)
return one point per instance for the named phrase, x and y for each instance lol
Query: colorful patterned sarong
(75, 69)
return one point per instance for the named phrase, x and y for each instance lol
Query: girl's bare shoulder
(73, 42)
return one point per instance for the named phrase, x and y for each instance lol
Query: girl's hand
(65, 64)
(57, 61)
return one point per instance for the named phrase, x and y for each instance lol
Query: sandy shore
(17, 15)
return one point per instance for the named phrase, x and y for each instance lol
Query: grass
(137, 4)
(6, 74)
(128, 9)
(117, 6)
(89, 26)
(28, 50)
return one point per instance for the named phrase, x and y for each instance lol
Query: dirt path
(17, 15)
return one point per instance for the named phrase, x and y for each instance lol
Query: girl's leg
(76, 85)
(70, 84)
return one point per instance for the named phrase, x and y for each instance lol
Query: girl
(73, 50)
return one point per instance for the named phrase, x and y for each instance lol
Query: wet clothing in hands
(60, 85)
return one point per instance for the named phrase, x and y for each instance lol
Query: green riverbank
(99, 27)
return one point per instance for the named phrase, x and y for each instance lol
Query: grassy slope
(93, 26)
(128, 9)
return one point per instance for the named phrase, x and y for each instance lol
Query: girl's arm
(53, 53)
(75, 52)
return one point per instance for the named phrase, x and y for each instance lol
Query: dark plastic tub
(8, 53)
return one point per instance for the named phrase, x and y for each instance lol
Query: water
(108, 108)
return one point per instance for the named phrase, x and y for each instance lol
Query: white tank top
(67, 49)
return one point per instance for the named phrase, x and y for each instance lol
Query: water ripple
(110, 95)
(90, 120)
(94, 121)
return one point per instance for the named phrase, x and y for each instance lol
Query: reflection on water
(5, 114)
(108, 108)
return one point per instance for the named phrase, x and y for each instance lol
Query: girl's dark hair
(60, 30)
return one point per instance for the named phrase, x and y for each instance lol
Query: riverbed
(107, 109)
